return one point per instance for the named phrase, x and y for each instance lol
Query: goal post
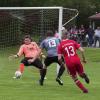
(64, 21)
(60, 21)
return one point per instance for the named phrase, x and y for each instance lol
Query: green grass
(27, 88)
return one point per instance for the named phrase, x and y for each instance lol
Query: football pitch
(28, 88)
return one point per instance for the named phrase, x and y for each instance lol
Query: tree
(85, 7)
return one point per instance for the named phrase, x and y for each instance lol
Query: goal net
(15, 22)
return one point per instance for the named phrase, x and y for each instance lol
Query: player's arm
(59, 51)
(42, 56)
(81, 50)
(82, 53)
(20, 52)
(60, 58)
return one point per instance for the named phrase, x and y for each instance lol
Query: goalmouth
(17, 21)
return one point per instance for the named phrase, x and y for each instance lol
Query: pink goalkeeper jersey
(30, 50)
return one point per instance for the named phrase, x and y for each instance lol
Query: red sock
(21, 68)
(81, 86)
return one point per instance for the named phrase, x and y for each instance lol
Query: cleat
(87, 80)
(16, 77)
(59, 81)
(85, 91)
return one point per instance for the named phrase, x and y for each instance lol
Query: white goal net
(18, 21)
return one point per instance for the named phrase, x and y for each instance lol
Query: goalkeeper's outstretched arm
(20, 52)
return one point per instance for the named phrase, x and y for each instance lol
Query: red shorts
(75, 67)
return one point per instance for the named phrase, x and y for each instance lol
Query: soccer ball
(18, 74)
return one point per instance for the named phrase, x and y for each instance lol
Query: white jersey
(50, 45)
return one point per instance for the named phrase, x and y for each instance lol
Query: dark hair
(49, 33)
(27, 36)
(65, 34)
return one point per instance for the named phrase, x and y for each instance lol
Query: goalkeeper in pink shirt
(31, 53)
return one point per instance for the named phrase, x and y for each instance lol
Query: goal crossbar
(26, 8)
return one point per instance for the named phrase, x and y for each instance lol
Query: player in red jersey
(31, 53)
(68, 49)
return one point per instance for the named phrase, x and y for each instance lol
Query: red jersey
(68, 49)
(30, 50)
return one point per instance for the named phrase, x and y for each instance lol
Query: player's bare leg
(80, 85)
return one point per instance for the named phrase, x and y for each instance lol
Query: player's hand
(43, 56)
(31, 60)
(84, 61)
(12, 56)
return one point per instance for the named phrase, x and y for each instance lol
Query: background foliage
(85, 7)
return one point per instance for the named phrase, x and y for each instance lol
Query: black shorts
(50, 60)
(37, 63)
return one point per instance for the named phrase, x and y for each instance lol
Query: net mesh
(69, 16)
(16, 23)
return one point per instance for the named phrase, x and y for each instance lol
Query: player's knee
(62, 67)
(74, 78)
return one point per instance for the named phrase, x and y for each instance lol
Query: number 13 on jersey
(70, 51)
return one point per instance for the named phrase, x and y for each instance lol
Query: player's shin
(43, 74)
(61, 71)
(21, 68)
(81, 86)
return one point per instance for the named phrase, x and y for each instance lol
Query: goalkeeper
(50, 45)
(31, 53)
